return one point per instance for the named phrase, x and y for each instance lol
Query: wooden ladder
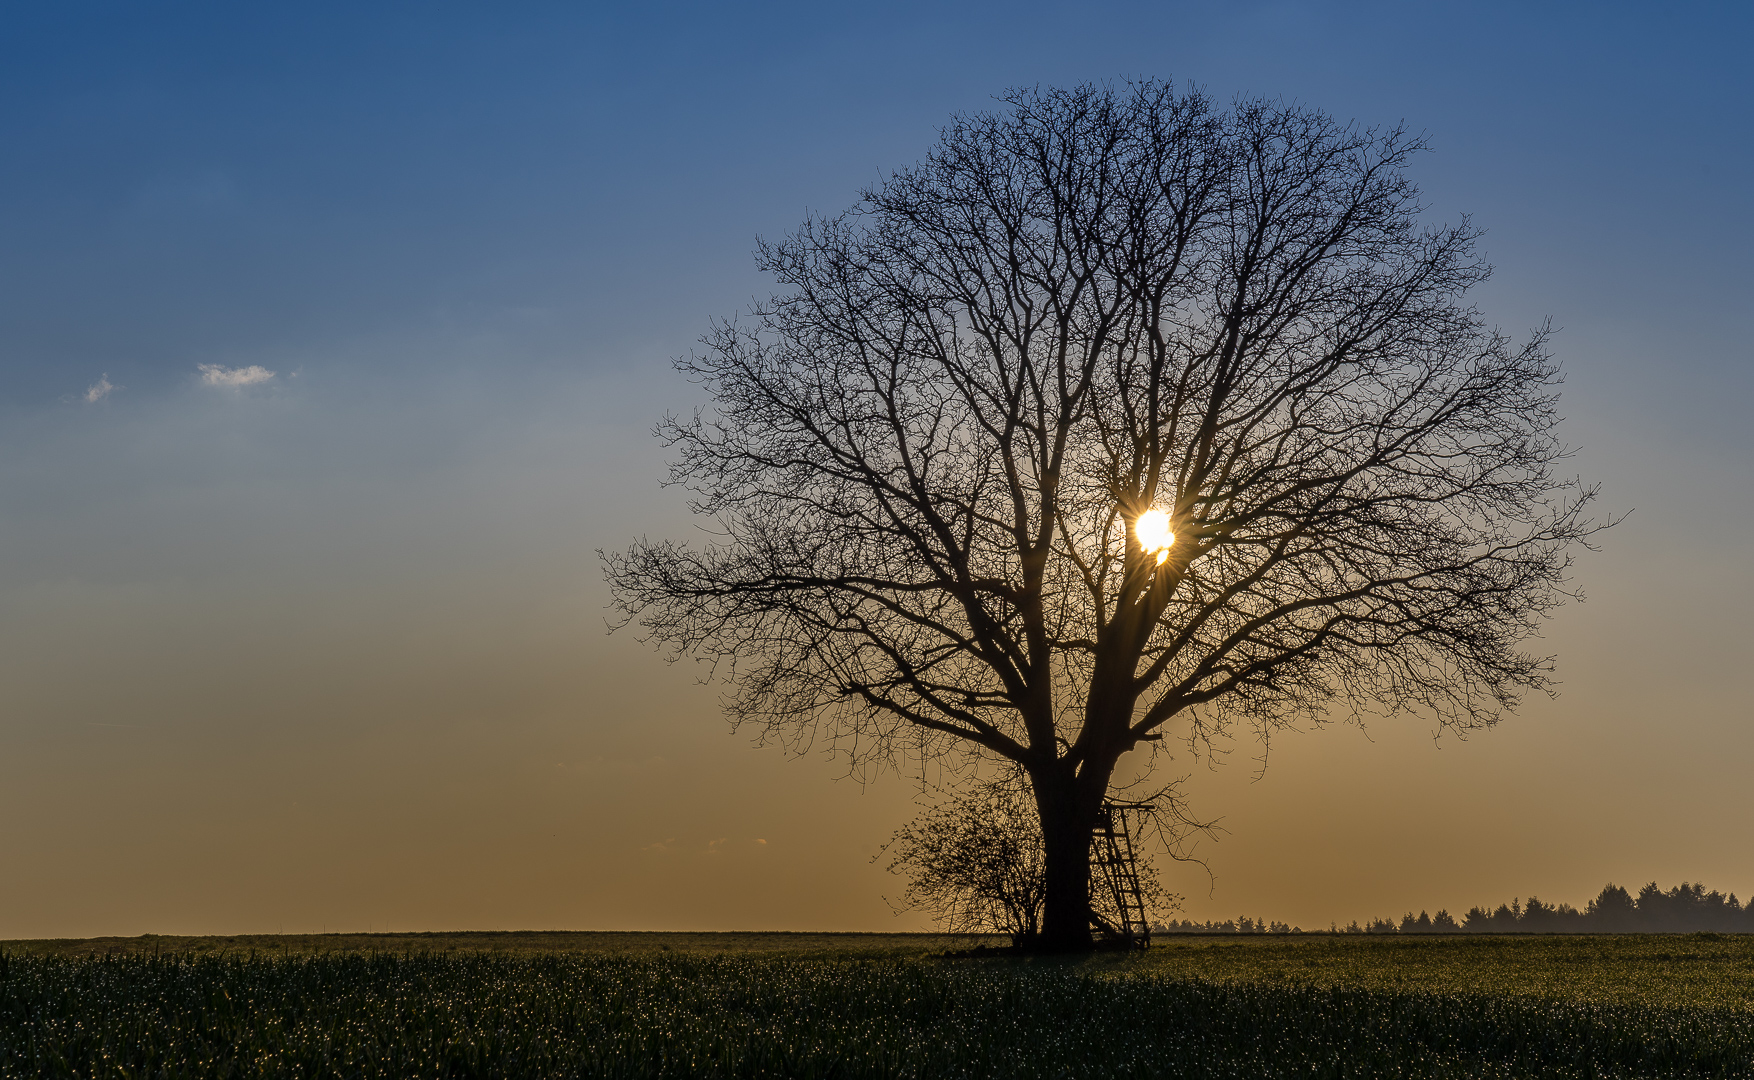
(1117, 868)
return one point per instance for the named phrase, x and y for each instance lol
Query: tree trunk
(1068, 813)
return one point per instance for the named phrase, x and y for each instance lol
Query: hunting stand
(1114, 867)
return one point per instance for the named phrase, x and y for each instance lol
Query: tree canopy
(927, 456)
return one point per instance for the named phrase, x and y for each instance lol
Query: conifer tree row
(1684, 909)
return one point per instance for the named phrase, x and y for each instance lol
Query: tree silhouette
(974, 863)
(1613, 911)
(1685, 908)
(1120, 413)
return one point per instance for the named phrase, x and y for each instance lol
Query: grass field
(648, 1005)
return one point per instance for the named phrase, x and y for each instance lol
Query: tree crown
(927, 454)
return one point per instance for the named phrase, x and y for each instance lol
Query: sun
(1154, 533)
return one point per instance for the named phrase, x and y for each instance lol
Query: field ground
(1714, 971)
(878, 1005)
(518, 942)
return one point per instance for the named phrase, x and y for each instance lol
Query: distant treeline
(1683, 909)
(1228, 926)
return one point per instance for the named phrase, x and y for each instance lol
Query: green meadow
(821, 1005)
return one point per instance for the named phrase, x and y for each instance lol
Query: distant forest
(1683, 909)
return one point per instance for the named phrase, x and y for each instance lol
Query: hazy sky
(325, 648)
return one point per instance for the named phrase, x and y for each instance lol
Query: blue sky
(249, 612)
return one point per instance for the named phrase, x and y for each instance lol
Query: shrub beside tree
(974, 862)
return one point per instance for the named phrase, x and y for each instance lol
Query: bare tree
(1119, 409)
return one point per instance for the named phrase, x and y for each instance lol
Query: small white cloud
(99, 390)
(217, 375)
